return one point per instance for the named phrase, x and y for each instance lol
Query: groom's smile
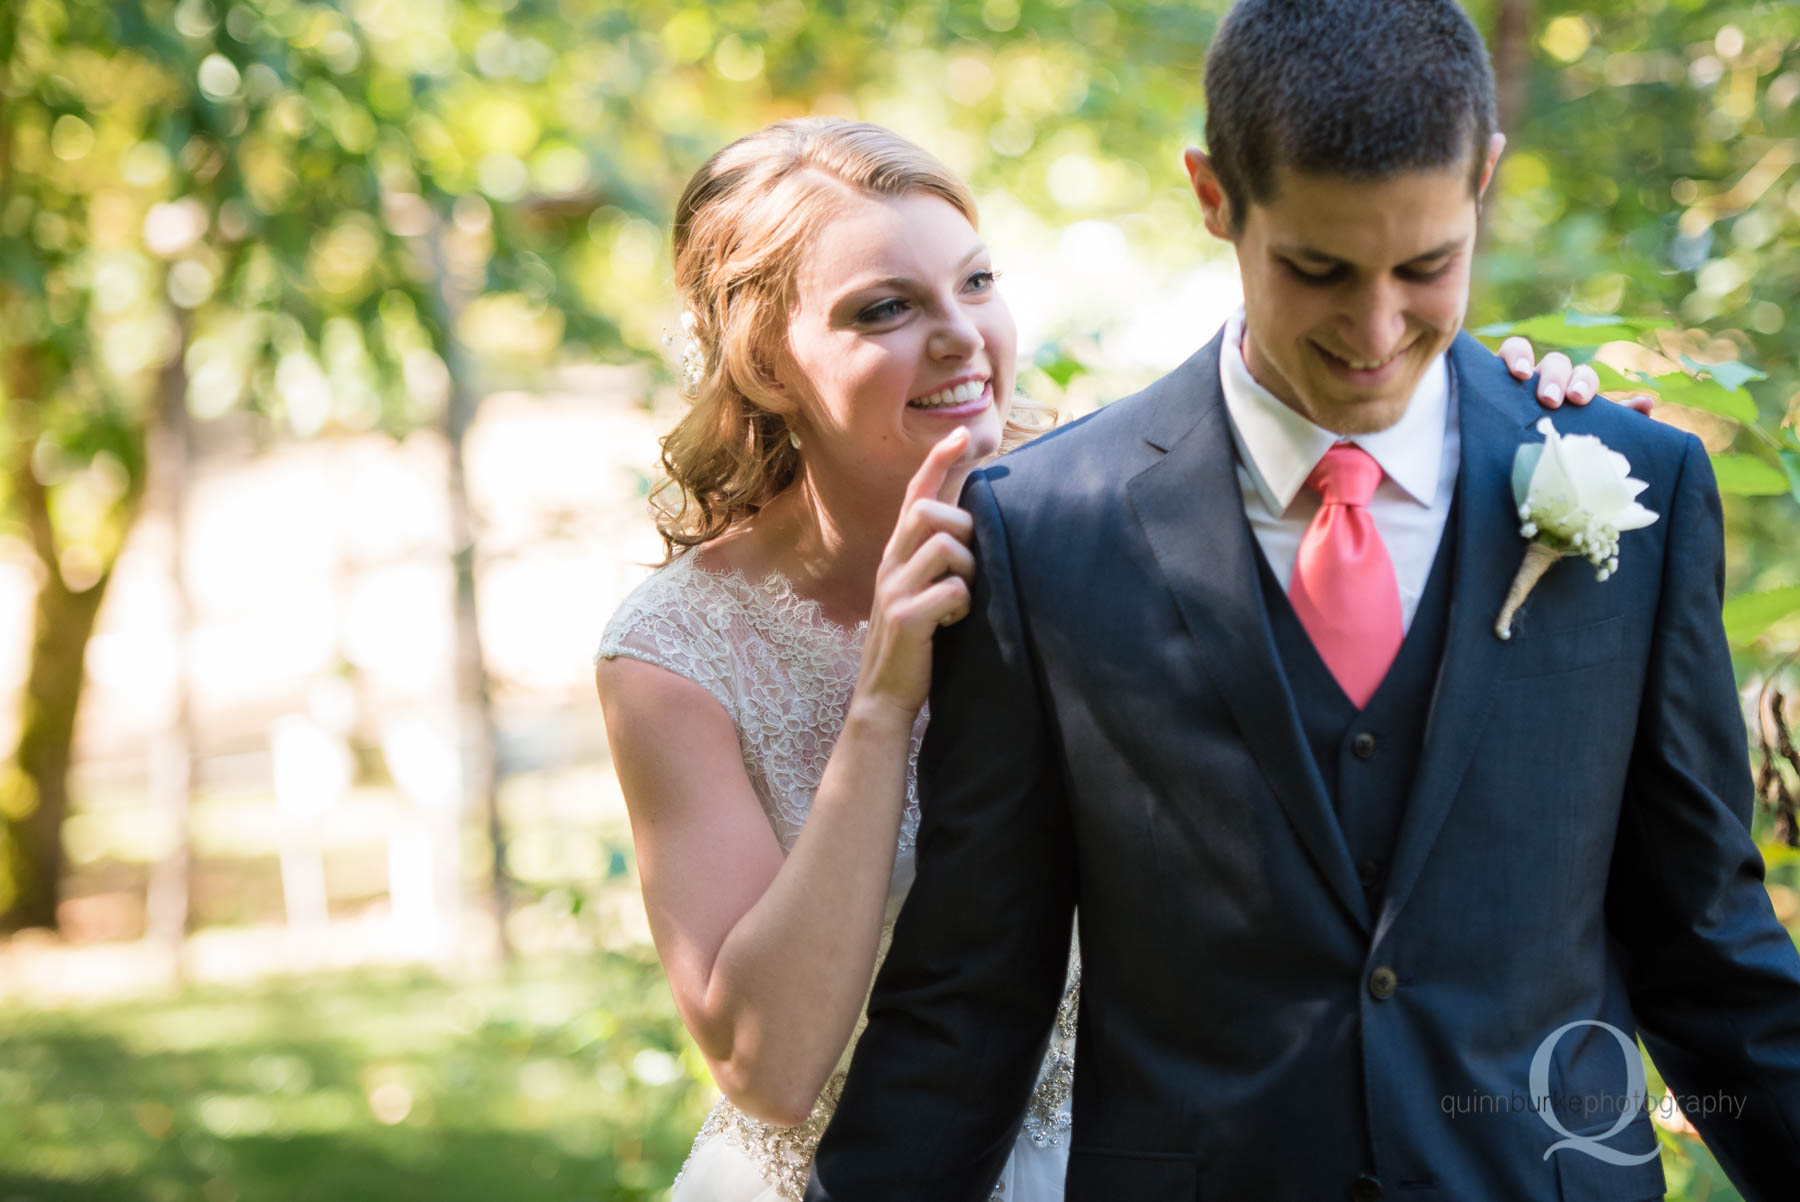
(1352, 287)
(1364, 373)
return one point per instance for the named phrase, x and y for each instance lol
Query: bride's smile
(897, 335)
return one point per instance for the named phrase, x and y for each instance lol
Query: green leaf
(1613, 380)
(1748, 476)
(1731, 374)
(1572, 330)
(1790, 463)
(1678, 388)
(1059, 365)
(1778, 855)
(1525, 464)
(1582, 321)
(1748, 615)
(1718, 395)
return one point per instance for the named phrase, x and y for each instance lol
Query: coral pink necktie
(1343, 587)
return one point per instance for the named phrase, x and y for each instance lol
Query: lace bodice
(782, 670)
(784, 673)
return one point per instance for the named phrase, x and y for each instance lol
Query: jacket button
(1368, 872)
(1363, 746)
(1365, 1189)
(1382, 983)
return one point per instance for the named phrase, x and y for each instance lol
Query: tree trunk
(1513, 20)
(34, 796)
(172, 748)
(1512, 75)
(474, 701)
(34, 787)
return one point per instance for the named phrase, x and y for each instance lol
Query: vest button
(1365, 1189)
(1382, 983)
(1368, 872)
(1363, 745)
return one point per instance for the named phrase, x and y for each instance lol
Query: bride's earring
(793, 438)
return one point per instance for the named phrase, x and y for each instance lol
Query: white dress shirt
(1277, 450)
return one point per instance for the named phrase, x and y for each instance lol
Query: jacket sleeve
(1714, 979)
(964, 1002)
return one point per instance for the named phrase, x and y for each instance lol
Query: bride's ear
(1215, 204)
(769, 376)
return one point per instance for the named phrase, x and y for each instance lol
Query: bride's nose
(954, 335)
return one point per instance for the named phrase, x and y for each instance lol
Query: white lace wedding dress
(784, 674)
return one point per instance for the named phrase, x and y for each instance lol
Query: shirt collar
(1281, 448)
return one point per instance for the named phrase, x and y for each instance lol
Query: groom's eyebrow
(1302, 251)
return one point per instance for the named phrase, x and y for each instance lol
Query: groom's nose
(1374, 319)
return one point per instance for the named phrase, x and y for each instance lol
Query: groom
(1373, 904)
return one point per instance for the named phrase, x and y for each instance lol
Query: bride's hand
(922, 584)
(1560, 380)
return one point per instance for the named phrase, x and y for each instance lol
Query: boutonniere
(1576, 496)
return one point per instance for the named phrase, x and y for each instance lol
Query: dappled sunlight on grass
(572, 1081)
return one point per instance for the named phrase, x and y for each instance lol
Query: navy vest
(1368, 758)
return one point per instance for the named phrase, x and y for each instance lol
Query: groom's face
(1351, 287)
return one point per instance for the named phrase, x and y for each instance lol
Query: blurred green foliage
(348, 159)
(322, 208)
(1652, 173)
(565, 1082)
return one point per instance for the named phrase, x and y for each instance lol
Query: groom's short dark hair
(1359, 88)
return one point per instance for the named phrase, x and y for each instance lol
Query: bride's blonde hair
(741, 227)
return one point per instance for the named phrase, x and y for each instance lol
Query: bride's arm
(770, 959)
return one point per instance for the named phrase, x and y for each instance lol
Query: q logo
(1636, 1087)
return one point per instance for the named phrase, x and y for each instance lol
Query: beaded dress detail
(784, 673)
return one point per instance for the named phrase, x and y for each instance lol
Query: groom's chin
(1368, 416)
(1349, 414)
(1340, 402)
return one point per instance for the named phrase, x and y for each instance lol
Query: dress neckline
(775, 584)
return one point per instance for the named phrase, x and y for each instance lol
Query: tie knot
(1347, 475)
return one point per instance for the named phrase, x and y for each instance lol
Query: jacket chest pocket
(1534, 653)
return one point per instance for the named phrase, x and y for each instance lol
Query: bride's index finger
(928, 481)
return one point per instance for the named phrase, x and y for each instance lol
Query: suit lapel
(1488, 548)
(1192, 513)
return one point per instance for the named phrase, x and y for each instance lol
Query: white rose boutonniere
(1576, 496)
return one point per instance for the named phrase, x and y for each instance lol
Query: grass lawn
(556, 1083)
(566, 1082)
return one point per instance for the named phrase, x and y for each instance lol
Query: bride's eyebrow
(901, 283)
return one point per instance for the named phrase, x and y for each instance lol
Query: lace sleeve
(659, 625)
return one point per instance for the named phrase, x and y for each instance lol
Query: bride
(764, 691)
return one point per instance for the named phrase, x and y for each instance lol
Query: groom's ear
(1496, 144)
(1215, 205)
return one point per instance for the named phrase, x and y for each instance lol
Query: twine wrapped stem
(1538, 559)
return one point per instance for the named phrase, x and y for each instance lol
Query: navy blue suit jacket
(1112, 735)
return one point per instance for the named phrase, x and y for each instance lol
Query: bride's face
(897, 337)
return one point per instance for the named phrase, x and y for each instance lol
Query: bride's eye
(983, 280)
(882, 311)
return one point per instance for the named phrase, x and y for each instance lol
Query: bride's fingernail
(1522, 366)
